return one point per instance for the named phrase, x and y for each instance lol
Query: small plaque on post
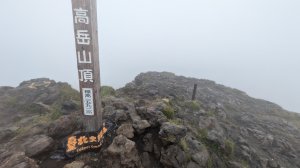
(88, 104)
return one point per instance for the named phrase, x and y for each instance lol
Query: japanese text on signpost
(87, 53)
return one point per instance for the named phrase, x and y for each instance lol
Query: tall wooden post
(87, 53)
(194, 92)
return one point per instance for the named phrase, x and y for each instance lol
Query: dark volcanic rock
(140, 125)
(6, 134)
(157, 125)
(192, 165)
(38, 145)
(16, 160)
(148, 142)
(146, 160)
(126, 130)
(155, 117)
(173, 156)
(69, 106)
(225, 117)
(122, 153)
(64, 126)
(172, 133)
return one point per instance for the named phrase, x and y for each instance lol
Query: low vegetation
(68, 93)
(176, 121)
(210, 162)
(192, 105)
(202, 134)
(229, 147)
(107, 91)
(169, 111)
(183, 144)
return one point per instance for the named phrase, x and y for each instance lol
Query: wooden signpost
(87, 53)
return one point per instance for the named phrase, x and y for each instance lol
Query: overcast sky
(251, 45)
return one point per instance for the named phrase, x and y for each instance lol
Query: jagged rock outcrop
(171, 132)
(33, 122)
(157, 126)
(64, 126)
(122, 153)
(37, 145)
(235, 128)
(126, 130)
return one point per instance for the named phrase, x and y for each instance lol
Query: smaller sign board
(87, 141)
(87, 99)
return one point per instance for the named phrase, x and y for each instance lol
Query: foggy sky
(251, 45)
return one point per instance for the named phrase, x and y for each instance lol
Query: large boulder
(173, 156)
(69, 106)
(152, 115)
(215, 132)
(201, 157)
(37, 145)
(126, 130)
(122, 104)
(170, 132)
(122, 153)
(63, 126)
(140, 125)
(198, 151)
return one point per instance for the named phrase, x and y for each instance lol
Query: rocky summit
(157, 125)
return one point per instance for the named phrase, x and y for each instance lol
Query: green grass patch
(183, 144)
(171, 138)
(210, 163)
(176, 121)
(211, 113)
(215, 147)
(229, 147)
(68, 93)
(193, 105)
(23, 130)
(245, 164)
(10, 102)
(55, 113)
(169, 111)
(202, 134)
(107, 91)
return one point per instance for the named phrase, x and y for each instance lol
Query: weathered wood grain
(88, 28)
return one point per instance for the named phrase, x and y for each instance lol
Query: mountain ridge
(157, 122)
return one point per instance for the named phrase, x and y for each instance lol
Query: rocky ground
(157, 126)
